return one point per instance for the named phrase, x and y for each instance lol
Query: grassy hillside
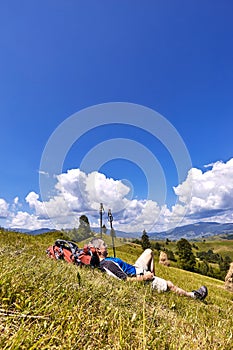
(48, 304)
(222, 247)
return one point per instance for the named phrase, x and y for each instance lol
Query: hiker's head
(101, 247)
(102, 252)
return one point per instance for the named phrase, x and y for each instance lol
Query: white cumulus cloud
(3, 208)
(28, 221)
(212, 191)
(202, 196)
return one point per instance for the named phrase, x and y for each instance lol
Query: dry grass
(48, 304)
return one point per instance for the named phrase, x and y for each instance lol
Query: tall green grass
(48, 304)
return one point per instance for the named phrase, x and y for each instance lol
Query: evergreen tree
(145, 240)
(84, 222)
(224, 266)
(84, 230)
(73, 235)
(204, 268)
(157, 246)
(186, 257)
(170, 255)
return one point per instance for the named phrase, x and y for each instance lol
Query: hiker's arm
(113, 269)
(147, 277)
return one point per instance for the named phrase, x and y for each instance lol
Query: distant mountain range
(33, 232)
(195, 231)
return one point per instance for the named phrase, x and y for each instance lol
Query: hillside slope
(48, 304)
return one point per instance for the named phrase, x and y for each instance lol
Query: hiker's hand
(148, 276)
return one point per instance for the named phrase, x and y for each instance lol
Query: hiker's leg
(146, 260)
(178, 290)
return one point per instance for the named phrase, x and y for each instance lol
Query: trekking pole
(110, 218)
(101, 217)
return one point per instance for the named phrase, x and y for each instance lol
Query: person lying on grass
(142, 270)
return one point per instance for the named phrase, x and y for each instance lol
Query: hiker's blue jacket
(127, 268)
(117, 267)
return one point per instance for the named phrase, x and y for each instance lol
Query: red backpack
(69, 251)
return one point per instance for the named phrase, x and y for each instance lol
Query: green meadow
(220, 246)
(47, 304)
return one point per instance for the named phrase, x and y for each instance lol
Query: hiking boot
(201, 293)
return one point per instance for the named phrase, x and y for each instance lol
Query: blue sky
(59, 58)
